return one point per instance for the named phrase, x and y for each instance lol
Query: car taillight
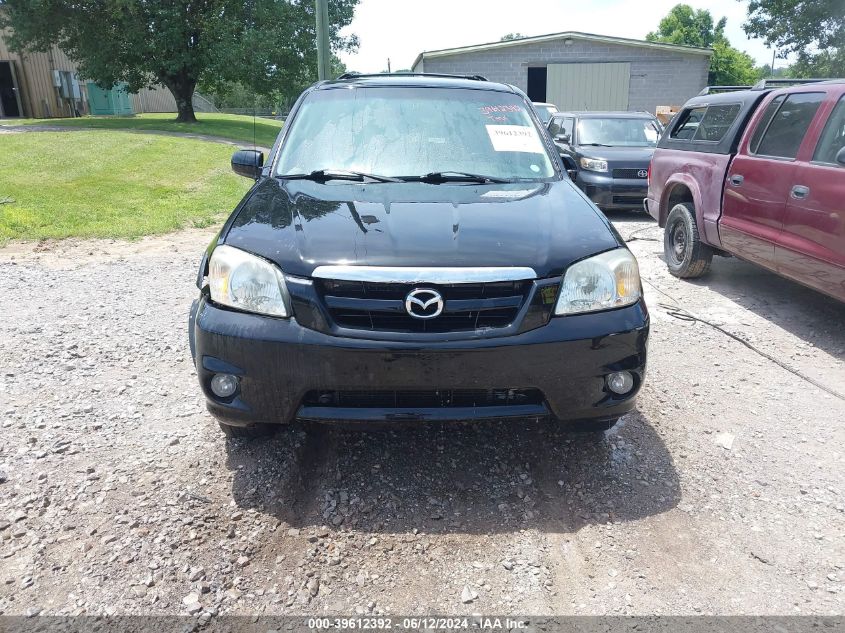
(648, 175)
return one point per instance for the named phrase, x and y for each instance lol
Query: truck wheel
(248, 432)
(686, 255)
(592, 426)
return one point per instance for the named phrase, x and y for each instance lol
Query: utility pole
(324, 57)
(388, 65)
(772, 69)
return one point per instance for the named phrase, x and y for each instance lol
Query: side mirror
(248, 163)
(562, 138)
(840, 156)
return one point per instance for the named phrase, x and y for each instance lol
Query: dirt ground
(721, 494)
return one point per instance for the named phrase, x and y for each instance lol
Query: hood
(300, 225)
(614, 155)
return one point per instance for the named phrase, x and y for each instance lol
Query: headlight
(246, 282)
(609, 280)
(594, 164)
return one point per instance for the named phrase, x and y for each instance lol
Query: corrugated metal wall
(35, 80)
(40, 99)
(158, 100)
(588, 86)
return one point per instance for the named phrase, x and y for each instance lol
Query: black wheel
(248, 432)
(686, 255)
(592, 426)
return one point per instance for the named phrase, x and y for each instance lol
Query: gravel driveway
(721, 494)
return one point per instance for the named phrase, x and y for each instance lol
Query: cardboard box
(664, 114)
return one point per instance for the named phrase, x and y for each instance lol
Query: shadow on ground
(634, 215)
(456, 478)
(809, 315)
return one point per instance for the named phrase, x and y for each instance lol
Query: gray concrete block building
(582, 71)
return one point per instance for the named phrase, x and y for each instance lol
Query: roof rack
(709, 90)
(761, 85)
(780, 81)
(354, 75)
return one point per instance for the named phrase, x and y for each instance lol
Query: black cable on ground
(677, 312)
(633, 236)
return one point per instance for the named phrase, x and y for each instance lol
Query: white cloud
(401, 29)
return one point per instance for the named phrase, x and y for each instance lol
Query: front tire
(248, 432)
(686, 255)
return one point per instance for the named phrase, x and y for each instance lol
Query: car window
(545, 112)
(560, 125)
(833, 138)
(764, 123)
(688, 123)
(716, 122)
(622, 131)
(787, 127)
(401, 131)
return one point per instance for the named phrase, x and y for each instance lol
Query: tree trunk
(183, 91)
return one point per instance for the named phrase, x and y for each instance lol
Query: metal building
(582, 71)
(46, 85)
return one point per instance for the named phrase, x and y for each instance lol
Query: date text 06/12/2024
(417, 623)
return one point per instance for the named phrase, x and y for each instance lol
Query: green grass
(112, 184)
(234, 127)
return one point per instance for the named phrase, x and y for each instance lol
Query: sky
(401, 29)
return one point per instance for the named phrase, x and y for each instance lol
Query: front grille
(631, 172)
(430, 399)
(381, 306)
(635, 200)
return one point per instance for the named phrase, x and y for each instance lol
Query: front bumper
(652, 207)
(278, 362)
(608, 192)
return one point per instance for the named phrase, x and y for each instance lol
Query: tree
(813, 30)
(829, 63)
(765, 71)
(511, 36)
(236, 94)
(262, 44)
(687, 26)
(730, 66)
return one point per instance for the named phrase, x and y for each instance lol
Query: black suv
(607, 154)
(413, 250)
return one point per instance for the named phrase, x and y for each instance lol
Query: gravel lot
(721, 494)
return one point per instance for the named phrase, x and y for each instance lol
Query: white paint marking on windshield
(514, 138)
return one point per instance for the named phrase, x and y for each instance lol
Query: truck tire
(686, 255)
(248, 432)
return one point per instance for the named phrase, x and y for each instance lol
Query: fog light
(620, 382)
(224, 385)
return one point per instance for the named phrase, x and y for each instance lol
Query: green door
(109, 102)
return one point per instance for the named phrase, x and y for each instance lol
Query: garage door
(588, 86)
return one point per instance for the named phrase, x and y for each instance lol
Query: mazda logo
(643, 173)
(424, 303)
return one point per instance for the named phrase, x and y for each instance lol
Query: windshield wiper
(324, 175)
(596, 144)
(437, 177)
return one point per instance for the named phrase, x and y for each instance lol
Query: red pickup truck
(759, 174)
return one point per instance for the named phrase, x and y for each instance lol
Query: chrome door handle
(737, 179)
(799, 192)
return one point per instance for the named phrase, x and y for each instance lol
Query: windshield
(545, 112)
(618, 132)
(408, 132)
